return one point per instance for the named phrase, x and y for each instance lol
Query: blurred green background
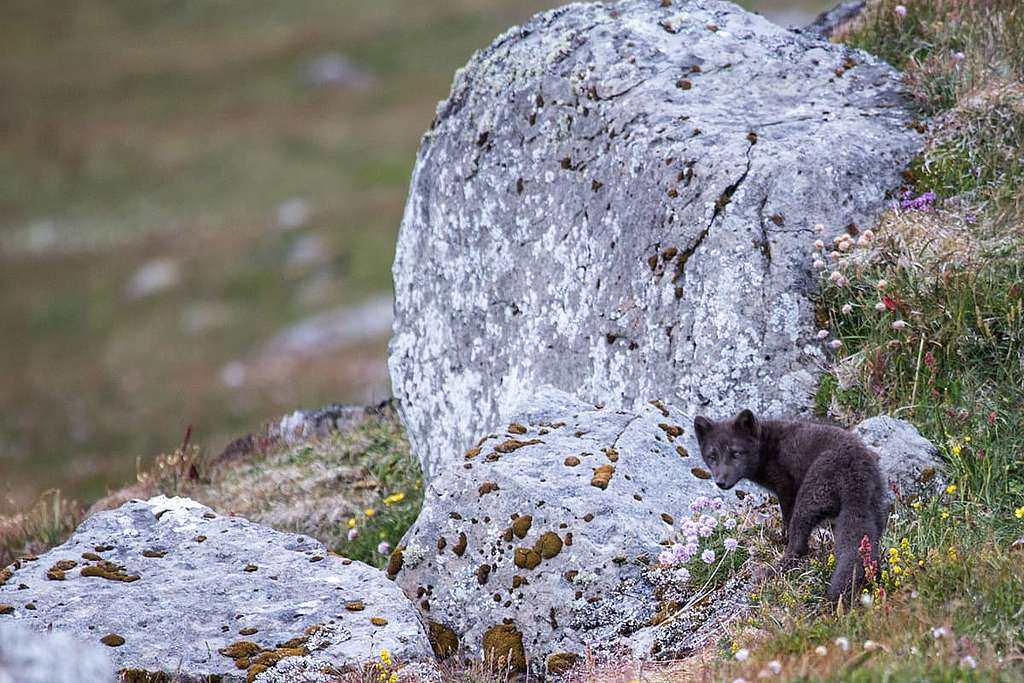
(198, 205)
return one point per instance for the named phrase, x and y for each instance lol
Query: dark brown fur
(816, 471)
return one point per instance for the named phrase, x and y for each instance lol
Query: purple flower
(708, 556)
(353, 534)
(729, 523)
(383, 547)
(731, 544)
(922, 203)
(666, 557)
(901, 11)
(682, 575)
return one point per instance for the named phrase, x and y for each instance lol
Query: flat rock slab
(540, 539)
(544, 539)
(618, 199)
(30, 657)
(182, 591)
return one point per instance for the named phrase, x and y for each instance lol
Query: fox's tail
(857, 552)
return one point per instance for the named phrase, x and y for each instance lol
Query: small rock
(155, 276)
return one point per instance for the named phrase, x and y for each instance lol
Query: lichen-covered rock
(170, 587)
(545, 537)
(27, 656)
(910, 462)
(617, 199)
(538, 543)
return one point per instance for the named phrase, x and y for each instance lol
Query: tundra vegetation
(924, 318)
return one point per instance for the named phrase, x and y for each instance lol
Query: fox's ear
(701, 425)
(746, 422)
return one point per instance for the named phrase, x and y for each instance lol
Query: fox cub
(816, 471)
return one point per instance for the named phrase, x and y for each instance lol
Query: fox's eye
(734, 454)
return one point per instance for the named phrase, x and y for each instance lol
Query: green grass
(930, 314)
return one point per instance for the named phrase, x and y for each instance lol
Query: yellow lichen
(396, 560)
(355, 606)
(487, 487)
(112, 640)
(378, 621)
(572, 461)
(516, 428)
(109, 571)
(510, 445)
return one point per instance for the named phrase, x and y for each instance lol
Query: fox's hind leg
(817, 499)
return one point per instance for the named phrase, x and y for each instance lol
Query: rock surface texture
(910, 463)
(618, 199)
(30, 657)
(171, 588)
(545, 537)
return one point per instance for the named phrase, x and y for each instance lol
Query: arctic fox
(816, 471)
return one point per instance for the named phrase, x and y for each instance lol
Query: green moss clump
(503, 647)
(396, 560)
(560, 662)
(548, 545)
(526, 558)
(460, 547)
(522, 525)
(602, 476)
(443, 640)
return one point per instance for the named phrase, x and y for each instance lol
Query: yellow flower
(1019, 513)
(905, 544)
(369, 512)
(394, 498)
(956, 449)
(945, 514)
(951, 488)
(952, 553)
(896, 569)
(351, 522)
(394, 677)
(967, 439)
(916, 505)
(385, 656)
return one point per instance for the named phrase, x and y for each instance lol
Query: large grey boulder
(910, 462)
(619, 200)
(30, 657)
(545, 537)
(541, 539)
(172, 588)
